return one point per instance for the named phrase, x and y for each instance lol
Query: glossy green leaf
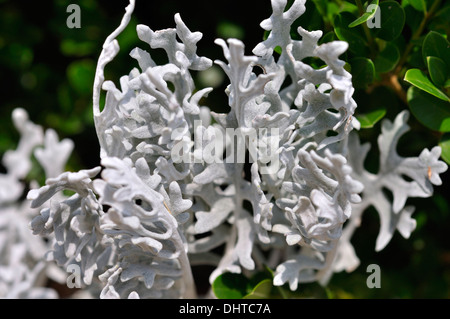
(363, 72)
(445, 146)
(387, 58)
(313, 20)
(429, 110)
(366, 15)
(357, 43)
(440, 20)
(419, 5)
(413, 17)
(436, 45)
(417, 78)
(328, 37)
(261, 291)
(392, 21)
(438, 70)
(333, 8)
(230, 286)
(321, 6)
(415, 59)
(368, 120)
(447, 83)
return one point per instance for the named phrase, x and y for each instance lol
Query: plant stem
(427, 16)
(393, 82)
(390, 80)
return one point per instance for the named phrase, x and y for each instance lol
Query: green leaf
(440, 19)
(368, 120)
(436, 45)
(81, 76)
(392, 21)
(445, 146)
(387, 58)
(328, 37)
(228, 29)
(413, 17)
(419, 5)
(333, 8)
(321, 7)
(429, 110)
(70, 47)
(64, 98)
(19, 56)
(366, 15)
(357, 43)
(417, 78)
(447, 83)
(415, 59)
(363, 72)
(70, 125)
(314, 20)
(230, 286)
(261, 291)
(438, 70)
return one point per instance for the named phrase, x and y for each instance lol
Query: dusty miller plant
(23, 270)
(170, 193)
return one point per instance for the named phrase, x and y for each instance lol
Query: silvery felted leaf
(423, 171)
(18, 162)
(143, 57)
(239, 248)
(262, 207)
(24, 270)
(314, 118)
(144, 230)
(54, 155)
(79, 182)
(218, 214)
(300, 269)
(279, 24)
(74, 222)
(10, 188)
(177, 190)
(325, 205)
(177, 204)
(244, 86)
(166, 40)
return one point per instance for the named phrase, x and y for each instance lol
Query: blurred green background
(48, 69)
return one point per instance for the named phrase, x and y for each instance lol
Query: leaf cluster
(399, 57)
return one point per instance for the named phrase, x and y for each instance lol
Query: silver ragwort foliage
(171, 190)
